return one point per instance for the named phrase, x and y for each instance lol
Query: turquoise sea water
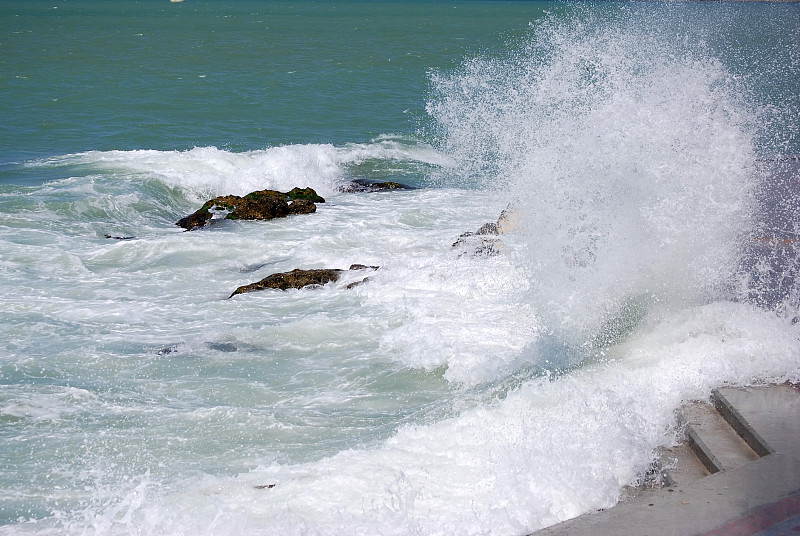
(238, 75)
(647, 153)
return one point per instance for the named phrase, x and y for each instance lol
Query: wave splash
(205, 172)
(630, 156)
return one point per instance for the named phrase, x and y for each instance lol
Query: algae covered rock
(302, 206)
(307, 194)
(301, 278)
(367, 185)
(195, 220)
(295, 279)
(258, 205)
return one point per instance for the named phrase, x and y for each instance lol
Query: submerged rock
(258, 205)
(218, 346)
(166, 350)
(362, 267)
(222, 346)
(301, 278)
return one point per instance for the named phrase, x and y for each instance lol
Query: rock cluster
(270, 204)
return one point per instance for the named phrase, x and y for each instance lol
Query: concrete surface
(753, 490)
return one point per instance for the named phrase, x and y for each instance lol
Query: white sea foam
(547, 452)
(46, 406)
(208, 171)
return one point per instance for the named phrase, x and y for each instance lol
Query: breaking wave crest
(630, 158)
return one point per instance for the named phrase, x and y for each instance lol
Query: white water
(448, 395)
(548, 452)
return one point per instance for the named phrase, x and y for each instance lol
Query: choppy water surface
(645, 154)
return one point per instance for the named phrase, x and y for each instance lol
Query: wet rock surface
(258, 205)
(302, 278)
(477, 245)
(485, 242)
(366, 185)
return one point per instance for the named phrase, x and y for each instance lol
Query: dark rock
(354, 284)
(167, 350)
(258, 205)
(354, 267)
(367, 185)
(362, 267)
(302, 206)
(198, 219)
(295, 279)
(301, 278)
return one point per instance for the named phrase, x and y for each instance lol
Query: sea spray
(770, 268)
(629, 155)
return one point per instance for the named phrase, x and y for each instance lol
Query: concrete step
(765, 412)
(717, 438)
(713, 440)
(680, 465)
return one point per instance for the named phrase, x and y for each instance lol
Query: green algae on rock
(367, 185)
(307, 194)
(258, 205)
(298, 278)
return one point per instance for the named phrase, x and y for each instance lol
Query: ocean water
(645, 152)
